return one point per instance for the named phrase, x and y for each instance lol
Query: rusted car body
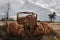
(27, 26)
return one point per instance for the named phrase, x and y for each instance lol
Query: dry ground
(55, 26)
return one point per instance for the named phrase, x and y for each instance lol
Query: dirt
(56, 28)
(4, 36)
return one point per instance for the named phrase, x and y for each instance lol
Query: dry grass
(4, 35)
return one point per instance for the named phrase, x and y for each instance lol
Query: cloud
(14, 6)
(48, 4)
(2, 14)
(57, 14)
(41, 7)
(13, 16)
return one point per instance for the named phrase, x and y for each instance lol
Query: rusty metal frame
(32, 13)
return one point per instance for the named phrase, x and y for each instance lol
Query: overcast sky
(41, 7)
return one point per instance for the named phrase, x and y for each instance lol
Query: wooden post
(7, 16)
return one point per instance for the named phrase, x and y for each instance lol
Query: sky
(41, 7)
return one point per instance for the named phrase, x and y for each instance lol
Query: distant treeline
(4, 19)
